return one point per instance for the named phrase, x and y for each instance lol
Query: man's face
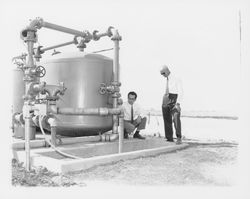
(131, 99)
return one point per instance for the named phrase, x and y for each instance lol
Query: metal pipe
(116, 76)
(53, 135)
(27, 104)
(28, 132)
(85, 111)
(57, 46)
(115, 124)
(30, 48)
(63, 29)
(52, 123)
(121, 133)
(96, 36)
(98, 51)
(116, 70)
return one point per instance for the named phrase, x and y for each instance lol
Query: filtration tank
(17, 100)
(82, 75)
(18, 90)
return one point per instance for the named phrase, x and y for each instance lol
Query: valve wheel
(40, 71)
(102, 89)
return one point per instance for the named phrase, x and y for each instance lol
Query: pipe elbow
(33, 26)
(52, 122)
(36, 23)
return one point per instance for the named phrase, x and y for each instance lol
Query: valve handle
(40, 71)
(103, 89)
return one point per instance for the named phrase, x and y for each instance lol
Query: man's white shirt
(127, 111)
(175, 87)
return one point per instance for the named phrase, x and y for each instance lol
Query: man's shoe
(138, 136)
(169, 140)
(178, 141)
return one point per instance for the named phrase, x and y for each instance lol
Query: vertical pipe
(116, 77)
(53, 135)
(121, 134)
(52, 123)
(115, 124)
(116, 57)
(27, 104)
(30, 47)
(28, 131)
(30, 54)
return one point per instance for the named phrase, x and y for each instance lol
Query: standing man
(171, 109)
(133, 118)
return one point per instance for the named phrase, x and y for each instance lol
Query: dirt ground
(210, 163)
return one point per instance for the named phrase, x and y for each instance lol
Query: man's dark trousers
(170, 115)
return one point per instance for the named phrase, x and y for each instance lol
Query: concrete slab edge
(38, 161)
(83, 164)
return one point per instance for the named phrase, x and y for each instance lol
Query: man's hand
(138, 120)
(178, 107)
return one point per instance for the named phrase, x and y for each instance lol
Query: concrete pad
(96, 153)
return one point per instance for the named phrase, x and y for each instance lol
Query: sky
(198, 40)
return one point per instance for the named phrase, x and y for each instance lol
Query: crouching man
(133, 117)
